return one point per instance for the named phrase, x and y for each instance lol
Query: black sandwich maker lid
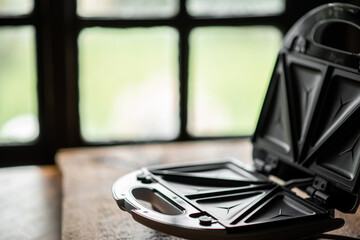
(308, 135)
(311, 117)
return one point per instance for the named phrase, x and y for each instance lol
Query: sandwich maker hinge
(271, 163)
(266, 166)
(318, 190)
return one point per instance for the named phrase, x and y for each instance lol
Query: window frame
(58, 26)
(183, 23)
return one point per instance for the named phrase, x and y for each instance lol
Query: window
(234, 8)
(16, 7)
(130, 59)
(18, 78)
(128, 82)
(92, 72)
(229, 72)
(128, 9)
(18, 94)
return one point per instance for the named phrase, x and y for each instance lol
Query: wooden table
(30, 203)
(31, 198)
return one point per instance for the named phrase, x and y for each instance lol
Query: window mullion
(182, 24)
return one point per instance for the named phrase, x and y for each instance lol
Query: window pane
(229, 72)
(221, 8)
(16, 7)
(128, 8)
(128, 83)
(18, 95)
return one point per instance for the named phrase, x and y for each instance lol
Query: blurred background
(98, 72)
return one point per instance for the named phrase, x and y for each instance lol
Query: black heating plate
(218, 200)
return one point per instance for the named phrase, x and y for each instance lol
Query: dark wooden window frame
(57, 28)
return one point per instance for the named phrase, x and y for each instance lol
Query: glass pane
(227, 8)
(18, 95)
(128, 83)
(229, 73)
(128, 8)
(16, 7)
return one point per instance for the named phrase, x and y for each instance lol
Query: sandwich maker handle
(300, 38)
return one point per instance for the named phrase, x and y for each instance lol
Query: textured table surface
(30, 203)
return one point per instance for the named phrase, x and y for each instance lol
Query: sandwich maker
(307, 137)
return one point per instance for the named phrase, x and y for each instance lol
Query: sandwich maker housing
(308, 135)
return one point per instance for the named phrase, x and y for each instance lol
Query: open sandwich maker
(308, 135)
